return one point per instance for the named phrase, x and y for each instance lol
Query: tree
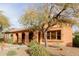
(49, 15)
(4, 22)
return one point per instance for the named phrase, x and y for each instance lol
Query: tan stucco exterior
(66, 36)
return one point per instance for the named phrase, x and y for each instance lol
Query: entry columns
(26, 37)
(19, 38)
(5, 37)
(35, 37)
(14, 38)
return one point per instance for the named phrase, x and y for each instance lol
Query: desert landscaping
(42, 29)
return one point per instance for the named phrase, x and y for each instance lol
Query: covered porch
(22, 37)
(54, 37)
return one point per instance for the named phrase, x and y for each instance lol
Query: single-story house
(56, 35)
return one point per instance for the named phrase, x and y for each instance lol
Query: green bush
(37, 50)
(76, 41)
(32, 43)
(11, 53)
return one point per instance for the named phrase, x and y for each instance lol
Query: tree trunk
(45, 38)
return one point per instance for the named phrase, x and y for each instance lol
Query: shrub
(76, 41)
(37, 50)
(11, 53)
(32, 43)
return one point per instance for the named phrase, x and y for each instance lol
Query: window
(48, 35)
(58, 35)
(54, 35)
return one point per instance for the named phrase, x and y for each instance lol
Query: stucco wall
(66, 36)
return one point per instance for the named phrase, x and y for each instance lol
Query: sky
(15, 10)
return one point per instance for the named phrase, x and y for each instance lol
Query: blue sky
(14, 11)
